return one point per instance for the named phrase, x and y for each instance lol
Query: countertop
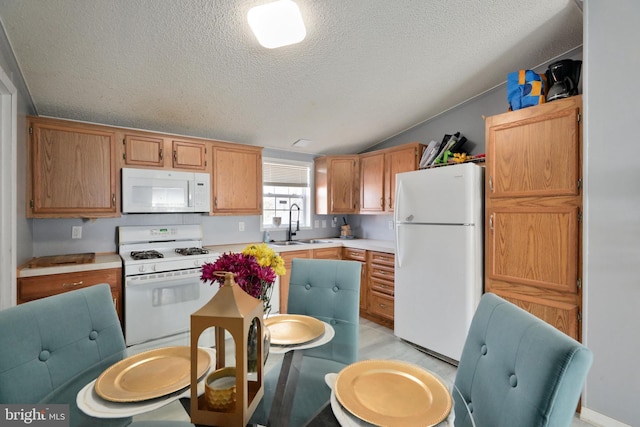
(102, 262)
(387, 246)
(110, 260)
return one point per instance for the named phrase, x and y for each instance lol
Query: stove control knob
(141, 269)
(154, 267)
(197, 263)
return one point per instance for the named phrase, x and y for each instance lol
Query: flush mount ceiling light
(277, 24)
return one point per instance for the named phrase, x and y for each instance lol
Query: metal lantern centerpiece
(232, 310)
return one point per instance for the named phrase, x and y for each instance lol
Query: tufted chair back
(517, 370)
(50, 348)
(330, 291)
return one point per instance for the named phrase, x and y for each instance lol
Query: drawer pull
(71, 285)
(382, 305)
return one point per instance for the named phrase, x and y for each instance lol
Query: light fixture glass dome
(277, 24)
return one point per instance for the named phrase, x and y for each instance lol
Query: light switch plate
(76, 232)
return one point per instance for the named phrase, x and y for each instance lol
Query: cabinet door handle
(160, 154)
(382, 202)
(390, 203)
(71, 285)
(491, 222)
(113, 200)
(491, 183)
(175, 156)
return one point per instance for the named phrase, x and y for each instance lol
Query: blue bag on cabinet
(525, 88)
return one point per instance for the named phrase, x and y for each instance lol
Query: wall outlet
(324, 223)
(76, 232)
(240, 226)
(334, 222)
(316, 223)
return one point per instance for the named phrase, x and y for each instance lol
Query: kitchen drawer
(36, 287)
(354, 254)
(382, 258)
(381, 305)
(382, 286)
(327, 253)
(382, 272)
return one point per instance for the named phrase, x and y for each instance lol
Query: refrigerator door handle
(398, 256)
(396, 213)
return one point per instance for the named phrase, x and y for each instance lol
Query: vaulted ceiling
(367, 69)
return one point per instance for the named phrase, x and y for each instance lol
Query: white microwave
(165, 191)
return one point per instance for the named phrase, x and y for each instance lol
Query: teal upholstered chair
(52, 347)
(517, 370)
(328, 290)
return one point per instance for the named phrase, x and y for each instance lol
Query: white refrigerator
(439, 256)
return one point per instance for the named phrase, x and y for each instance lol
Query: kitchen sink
(298, 242)
(287, 243)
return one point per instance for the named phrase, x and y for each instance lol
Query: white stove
(162, 286)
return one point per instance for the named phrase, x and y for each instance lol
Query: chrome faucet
(290, 233)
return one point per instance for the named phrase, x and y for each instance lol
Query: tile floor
(376, 342)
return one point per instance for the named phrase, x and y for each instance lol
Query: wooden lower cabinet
(352, 254)
(376, 280)
(36, 287)
(381, 288)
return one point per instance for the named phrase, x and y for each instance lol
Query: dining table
(92, 402)
(332, 414)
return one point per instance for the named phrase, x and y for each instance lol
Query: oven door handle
(163, 279)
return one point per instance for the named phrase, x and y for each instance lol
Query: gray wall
(612, 207)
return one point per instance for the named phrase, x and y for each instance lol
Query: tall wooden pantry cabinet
(533, 217)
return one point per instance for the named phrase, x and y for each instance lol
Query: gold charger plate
(291, 329)
(150, 374)
(391, 393)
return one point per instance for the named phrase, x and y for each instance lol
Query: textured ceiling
(367, 70)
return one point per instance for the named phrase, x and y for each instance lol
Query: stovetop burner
(192, 251)
(150, 254)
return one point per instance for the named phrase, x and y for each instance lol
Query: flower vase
(252, 346)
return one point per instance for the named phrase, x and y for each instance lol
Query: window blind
(285, 175)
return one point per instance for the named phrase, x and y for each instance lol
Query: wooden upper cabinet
(535, 152)
(189, 155)
(378, 171)
(72, 170)
(337, 184)
(142, 150)
(236, 179)
(372, 185)
(157, 151)
(398, 160)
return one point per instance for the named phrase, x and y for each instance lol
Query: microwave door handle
(190, 190)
